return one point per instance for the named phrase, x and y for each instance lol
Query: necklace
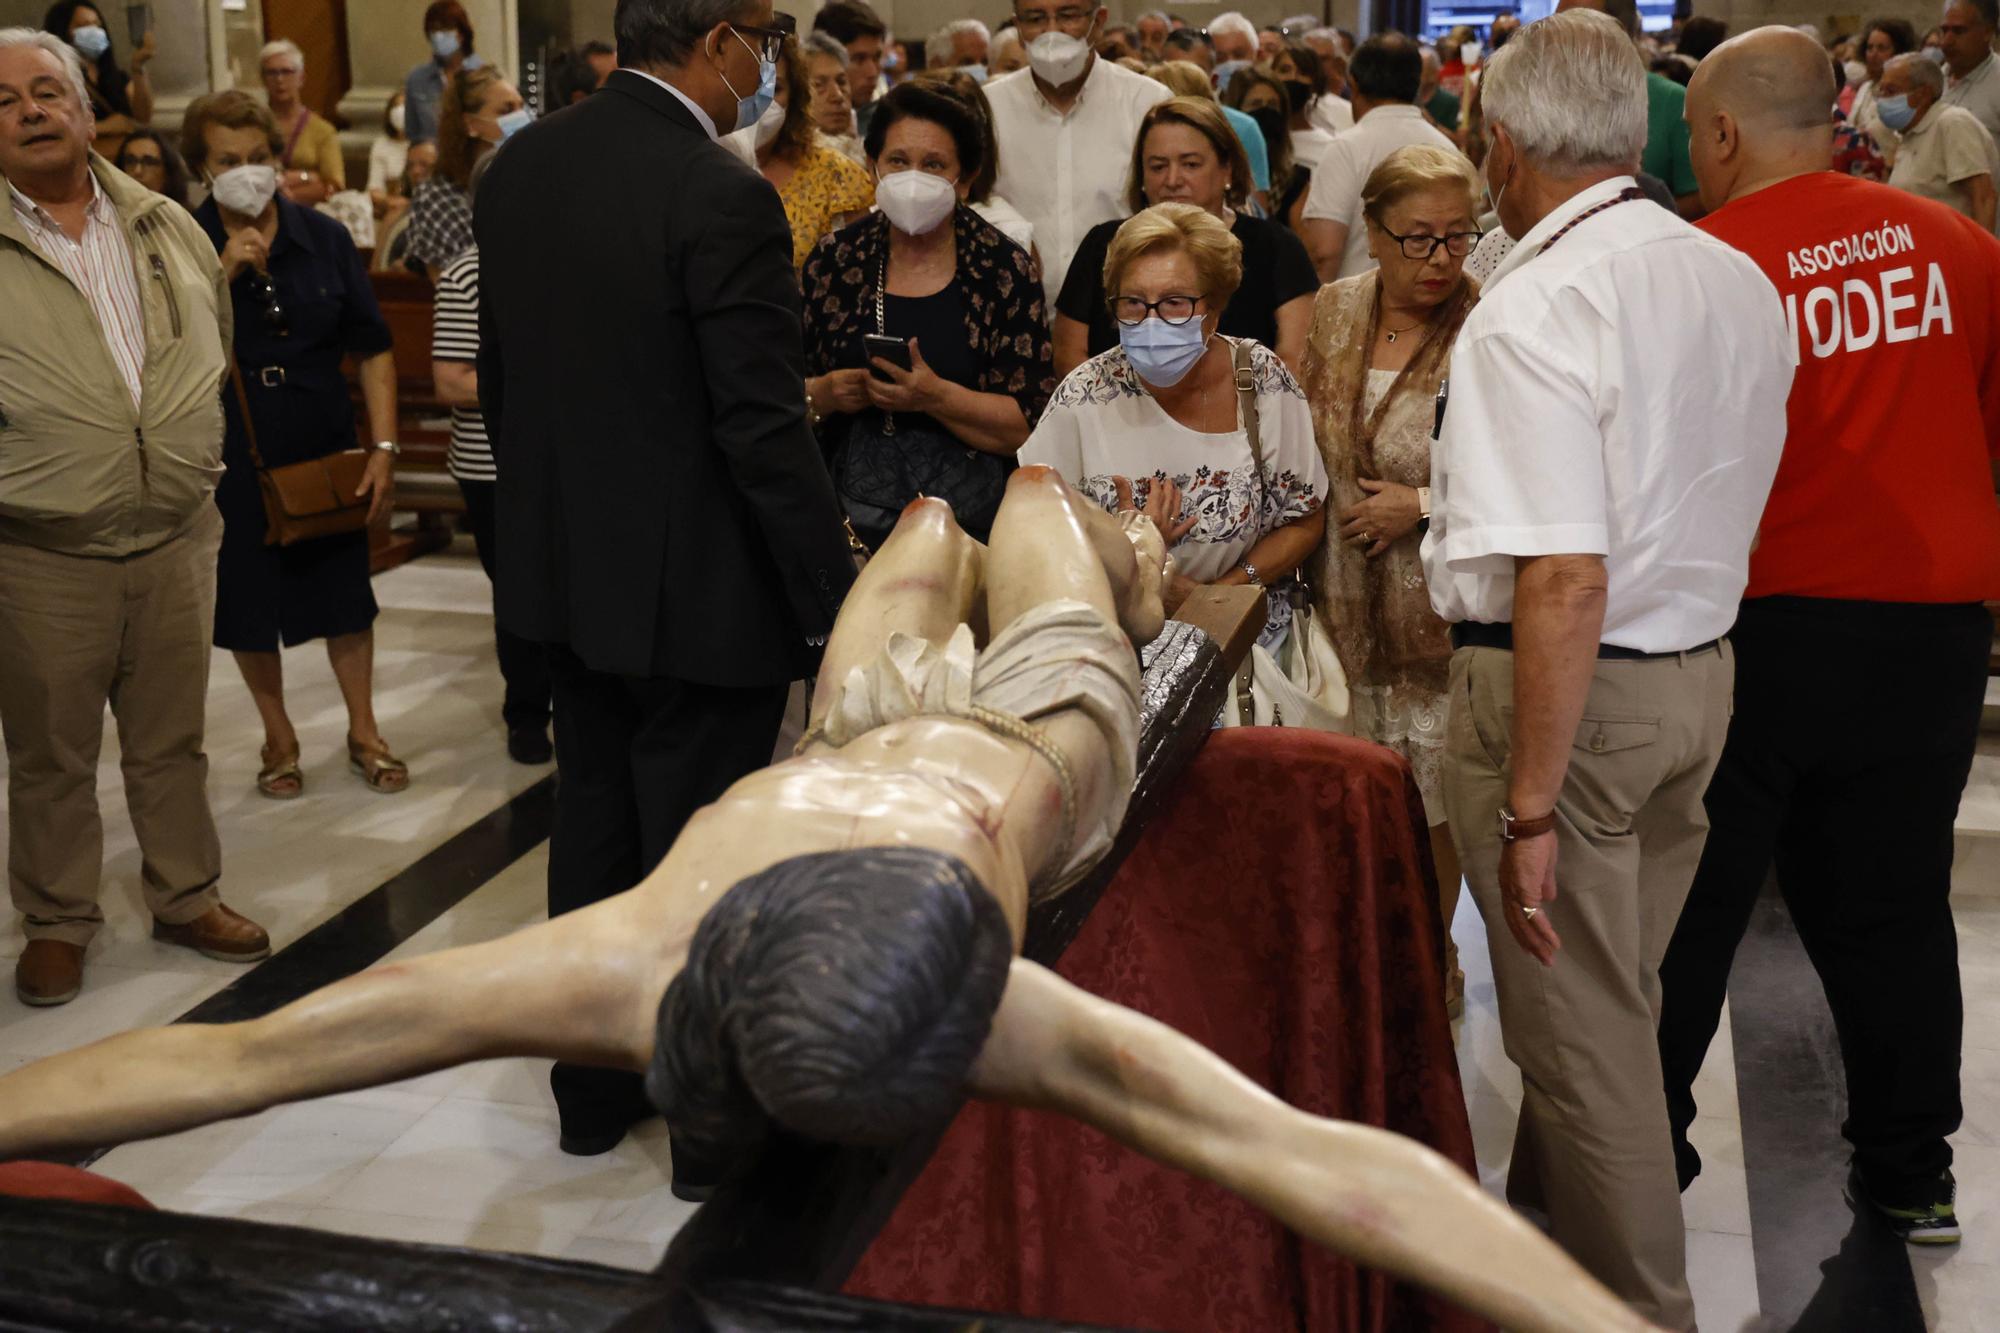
(1392, 333)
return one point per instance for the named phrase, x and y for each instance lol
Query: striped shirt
(455, 337)
(101, 266)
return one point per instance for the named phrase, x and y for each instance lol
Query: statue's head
(843, 995)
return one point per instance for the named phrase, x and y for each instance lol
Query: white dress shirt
(1349, 160)
(1621, 394)
(701, 117)
(1979, 93)
(101, 266)
(1067, 173)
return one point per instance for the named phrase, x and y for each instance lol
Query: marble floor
(468, 1156)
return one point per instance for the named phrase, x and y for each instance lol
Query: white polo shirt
(1979, 93)
(1335, 194)
(1621, 394)
(1067, 173)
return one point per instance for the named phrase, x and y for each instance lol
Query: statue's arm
(1377, 1197)
(575, 988)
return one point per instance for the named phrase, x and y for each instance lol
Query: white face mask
(768, 124)
(915, 202)
(245, 190)
(396, 118)
(1058, 57)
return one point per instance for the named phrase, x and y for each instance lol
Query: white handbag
(1302, 685)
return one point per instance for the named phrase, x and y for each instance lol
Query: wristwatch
(1250, 573)
(389, 447)
(1518, 830)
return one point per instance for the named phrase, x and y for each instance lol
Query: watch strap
(1514, 830)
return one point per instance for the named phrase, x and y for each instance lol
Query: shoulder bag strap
(1246, 398)
(243, 407)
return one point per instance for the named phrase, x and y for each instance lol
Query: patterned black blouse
(1001, 286)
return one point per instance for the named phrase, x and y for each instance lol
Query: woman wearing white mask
(480, 109)
(448, 39)
(821, 190)
(302, 303)
(387, 157)
(121, 102)
(961, 302)
(1156, 423)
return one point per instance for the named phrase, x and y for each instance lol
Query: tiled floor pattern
(468, 1156)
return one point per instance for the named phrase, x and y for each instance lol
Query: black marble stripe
(369, 928)
(1821, 1266)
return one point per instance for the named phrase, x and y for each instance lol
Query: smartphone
(138, 18)
(896, 351)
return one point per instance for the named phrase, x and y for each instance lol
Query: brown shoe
(219, 933)
(49, 973)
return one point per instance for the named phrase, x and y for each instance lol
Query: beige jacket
(81, 470)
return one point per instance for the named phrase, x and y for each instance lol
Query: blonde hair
(1194, 232)
(1417, 167)
(1184, 77)
(1204, 118)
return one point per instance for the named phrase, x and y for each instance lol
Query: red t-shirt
(1885, 490)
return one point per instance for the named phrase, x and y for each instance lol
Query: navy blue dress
(268, 595)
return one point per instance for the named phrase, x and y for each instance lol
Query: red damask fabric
(46, 1180)
(1281, 911)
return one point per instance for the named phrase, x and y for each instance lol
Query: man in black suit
(671, 532)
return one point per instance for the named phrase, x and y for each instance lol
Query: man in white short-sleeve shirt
(1065, 128)
(1384, 76)
(1610, 431)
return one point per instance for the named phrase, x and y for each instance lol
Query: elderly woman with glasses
(1156, 423)
(1380, 346)
(301, 301)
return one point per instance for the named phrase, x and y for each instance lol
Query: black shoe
(1928, 1216)
(593, 1144)
(696, 1174)
(530, 745)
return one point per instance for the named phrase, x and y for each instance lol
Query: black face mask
(1300, 92)
(1271, 121)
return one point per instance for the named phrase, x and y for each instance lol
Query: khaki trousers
(78, 632)
(1592, 1148)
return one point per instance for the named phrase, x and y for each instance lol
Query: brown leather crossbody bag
(306, 500)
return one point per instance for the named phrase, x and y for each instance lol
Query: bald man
(1879, 542)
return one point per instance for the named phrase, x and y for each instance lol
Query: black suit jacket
(663, 508)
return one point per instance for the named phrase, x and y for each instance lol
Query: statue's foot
(1142, 611)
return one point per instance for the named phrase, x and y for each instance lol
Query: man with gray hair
(1943, 152)
(1589, 542)
(1965, 34)
(962, 42)
(1233, 36)
(1151, 29)
(112, 353)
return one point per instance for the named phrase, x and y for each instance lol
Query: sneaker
(1928, 1218)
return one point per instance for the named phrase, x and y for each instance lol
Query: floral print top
(824, 188)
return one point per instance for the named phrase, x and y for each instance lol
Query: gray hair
(823, 44)
(1924, 73)
(65, 54)
(664, 32)
(1232, 22)
(1331, 35)
(1159, 14)
(1007, 35)
(1571, 92)
(283, 46)
(957, 26)
(1298, 23)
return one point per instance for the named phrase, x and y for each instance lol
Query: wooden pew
(423, 486)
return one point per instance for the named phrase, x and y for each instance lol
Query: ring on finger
(1530, 912)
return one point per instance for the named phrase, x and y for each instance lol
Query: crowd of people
(1520, 365)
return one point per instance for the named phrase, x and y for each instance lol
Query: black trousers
(524, 666)
(1851, 742)
(635, 758)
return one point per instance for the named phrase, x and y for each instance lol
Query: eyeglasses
(1457, 244)
(276, 322)
(1067, 17)
(771, 41)
(136, 163)
(1175, 310)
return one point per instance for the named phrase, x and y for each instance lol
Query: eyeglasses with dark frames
(1457, 244)
(1174, 309)
(771, 41)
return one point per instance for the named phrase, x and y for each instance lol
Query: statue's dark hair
(843, 995)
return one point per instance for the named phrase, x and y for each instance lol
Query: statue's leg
(1059, 544)
(925, 581)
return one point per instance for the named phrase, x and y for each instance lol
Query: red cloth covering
(46, 1180)
(1281, 912)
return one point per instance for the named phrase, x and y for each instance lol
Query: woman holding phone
(927, 354)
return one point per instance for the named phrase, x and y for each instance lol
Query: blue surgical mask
(513, 122)
(1896, 111)
(444, 45)
(1163, 353)
(91, 41)
(750, 109)
(1934, 54)
(978, 72)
